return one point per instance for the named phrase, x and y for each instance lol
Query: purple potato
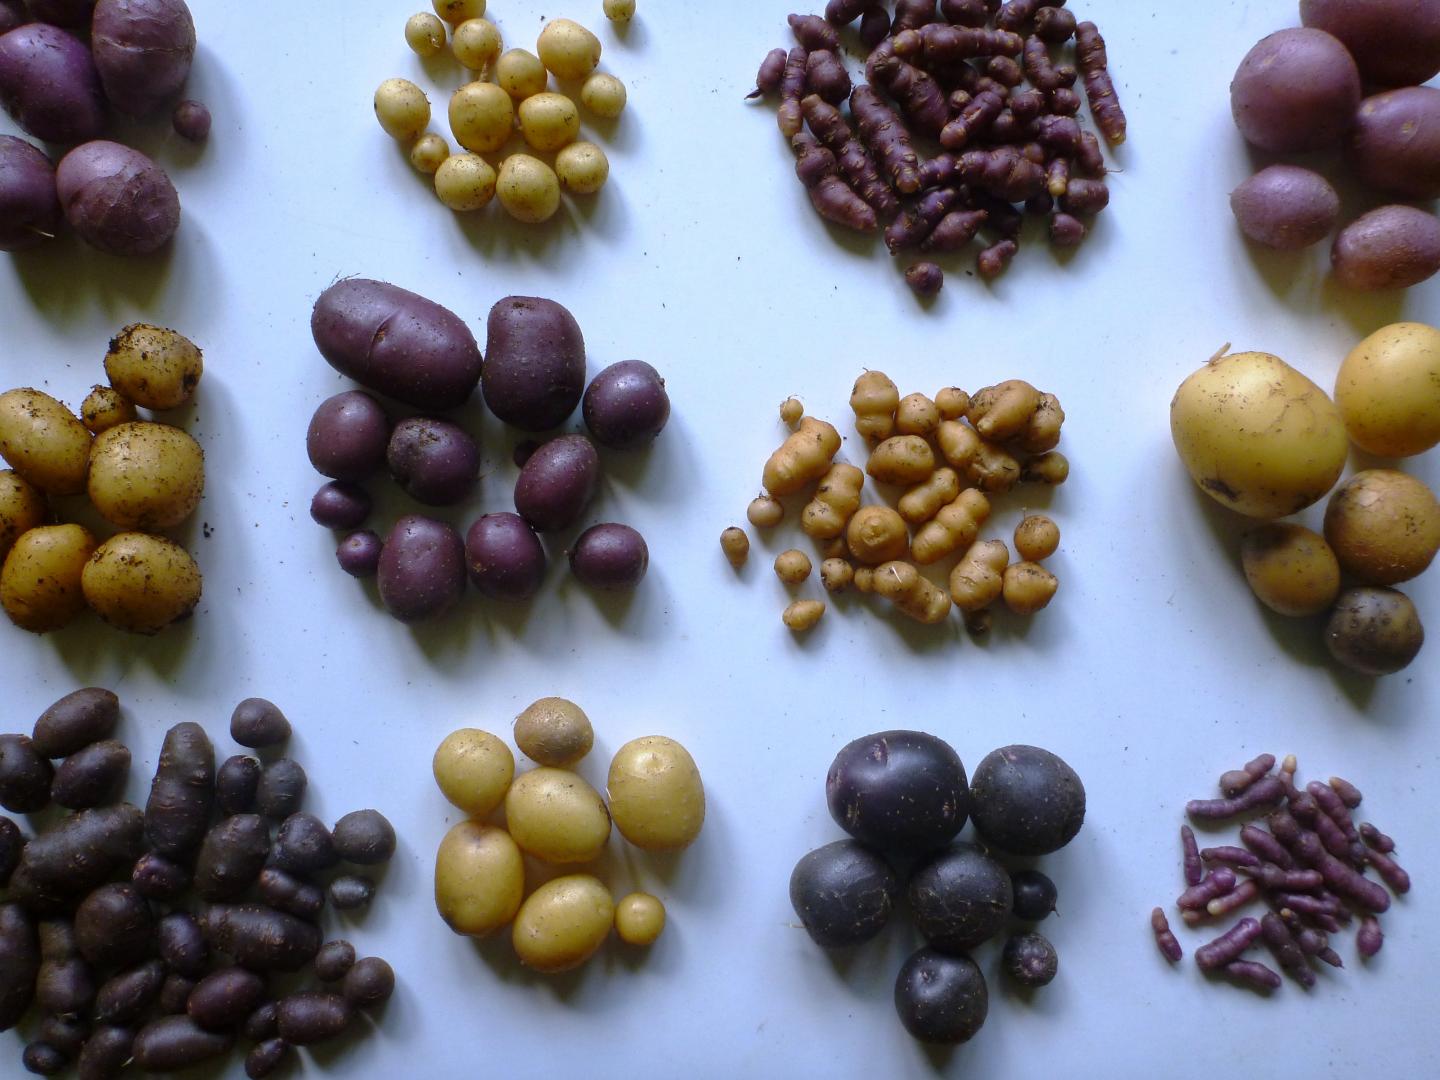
(369, 983)
(1395, 143)
(128, 995)
(75, 721)
(960, 898)
(25, 776)
(1034, 893)
(266, 1056)
(340, 505)
(232, 856)
(236, 782)
(364, 837)
(347, 436)
(422, 569)
(20, 946)
(48, 83)
(534, 369)
(260, 938)
(117, 199)
(173, 1043)
(359, 554)
(257, 723)
(844, 894)
(191, 121)
(158, 878)
(112, 837)
(287, 893)
(177, 813)
(105, 1052)
(143, 50)
(609, 557)
(67, 1034)
(181, 945)
(281, 789)
(334, 960)
(1030, 959)
(625, 406)
(92, 776)
(434, 461)
(43, 1059)
(1296, 90)
(1393, 247)
(312, 1016)
(1394, 42)
(114, 926)
(222, 1000)
(505, 557)
(901, 791)
(350, 891)
(1285, 207)
(303, 846)
(557, 483)
(262, 1024)
(1026, 800)
(940, 998)
(12, 843)
(29, 207)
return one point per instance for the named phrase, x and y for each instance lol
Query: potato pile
(509, 93)
(140, 475)
(1260, 438)
(532, 377)
(157, 937)
(554, 817)
(942, 460)
(1299, 91)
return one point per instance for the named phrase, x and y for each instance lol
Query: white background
(1153, 671)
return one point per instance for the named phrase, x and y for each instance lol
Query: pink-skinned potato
(1393, 247)
(29, 207)
(49, 84)
(1296, 90)
(1394, 42)
(1285, 207)
(143, 50)
(117, 199)
(1395, 143)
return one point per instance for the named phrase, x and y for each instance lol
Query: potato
(476, 44)
(429, 153)
(625, 406)
(456, 12)
(78, 719)
(557, 483)
(479, 878)
(1395, 142)
(1258, 436)
(143, 50)
(1296, 90)
(903, 459)
(548, 121)
(117, 199)
(639, 918)
(347, 437)
(104, 407)
(563, 923)
(191, 121)
(1026, 800)
(141, 583)
(520, 74)
(49, 84)
(604, 95)
(22, 508)
(434, 461)
(656, 798)
(146, 475)
(505, 558)
(1374, 631)
(567, 49)
(1392, 247)
(154, 367)
(582, 169)
(1290, 569)
(877, 534)
(481, 117)
(1388, 390)
(1285, 207)
(554, 732)
(610, 557)
(534, 372)
(402, 109)
(844, 893)
(29, 207)
(941, 999)
(1394, 42)
(473, 770)
(43, 442)
(528, 189)
(465, 182)
(40, 581)
(556, 816)
(1384, 526)
(422, 569)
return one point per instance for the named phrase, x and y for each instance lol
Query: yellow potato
(1384, 526)
(556, 816)
(154, 367)
(429, 153)
(562, 923)
(44, 441)
(1258, 436)
(1290, 569)
(582, 168)
(568, 49)
(479, 878)
(465, 182)
(639, 918)
(604, 95)
(473, 770)
(482, 117)
(402, 109)
(104, 407)
(457, 12)
(548, 121)
(22, 508)
(656, 797)
(141, 583)
(1388, 390)
(40, 581)
(476, 43)
(520, 74)
(528, 189)
(554, 732)
(146, 476)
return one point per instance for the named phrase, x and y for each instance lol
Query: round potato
(556, 816)
(146, 475)
(528, 189)
(562, 923)
(1374, 631)
(548, 121)
(154, 367)
(554, 732)
(43, 441)
(656, 797)
(1291, 569)
(40, 581)
(520, 74)
(473, 770)
(604, 95)
(482, 117)
(568, 49)
(141, 583)
(465, 182)
(105, 407)
(639, 918)
(1388, 390)
(479, 878)
(1384, 526)
(582, 168)
(22, 508)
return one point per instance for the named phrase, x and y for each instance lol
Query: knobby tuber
(1217, 883)
(919, 219)
(1375, 839)
(772, 69)
(1165, 938)
(913, 14)
(1229, 946)
(1348, 792)
(955, 230)
(1244, 893)
(1235, 781)
(1285, 949)
(828, 125)
(1190, 859)
(1054, 25)
(813, 32)
(874, 25)
(792, 89)
(1267, 846)
(991, 262)
(925, 278)
(884, 133)
(1253, 974)
(1369, 938)
(919, 96)
(1266, 792)
(832, 197)
(974, 118)
(1093, 63)
(844, 12)
(1234, 857)
(826, 76)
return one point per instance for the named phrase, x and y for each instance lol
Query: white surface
(1153, 671)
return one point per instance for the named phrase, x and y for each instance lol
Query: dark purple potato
(364, 837)
(940, 998)
(422, 569)
(1393, 247)
(625, 406)
(66, 984)
(266, 1057)
(29, 207)
(105, 1052)
(303, 845)
(114, 927)
(49, 84)
(1374, 631)
(182, 944)
(92, 776)
(42, 1059)
(24, 776)
(505, 557)
(12, 843)
(434, 461)
(1394, 42)
(334, 961)
(1026, 800)
(901, 791)
(369, 983)
(258, 723)
(177, 813)
(263, 1024)
(175, 994)
(111, 836)
(222, 1000)
(75, 721)
(143, 50)
(313, 1016)
(1035, 895)
(281, 789)
(925, 279)
(236, 782)
(67, 13)
(117, 199)
(1296, 90)
(557, 483)
(260, 938)
(340, 505)
(844, 893)
(1030, 959)
(609, 557)
(359, 553)
(289, 894)
(126, 997)
(534, 369)
(20, 946)
(350, 892)
(157, 878)
(347, 437)
(960, 898)
(1395, 143)
(66, 1033)
(1286, 207)
(173, 1043)
(232, 856)
(191, 121)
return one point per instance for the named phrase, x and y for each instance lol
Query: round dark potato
(1030, 959)
(92, 776)
(24, 776)
(258, 723)
(223, 999)
(340, 505)
(844, 893)
(303, 845)
(114, 927)
(960, 898)
(505, 558)
(347, 436)
(900, 791)
(29, 207)
(941, 998)
(1035, 895)
(557, 483)
(236, 782)
(359, 553)
(1296, 90)
(369, 983)
(434, 461)
(625, 406)
(364, 837)
(281, 789)
(1374, 631)
(609, 557)
(1026, 800)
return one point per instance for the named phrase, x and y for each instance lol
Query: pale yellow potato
(604, 95)
(44, 442)
(482, 117)
(465, 182)
(477, 43)
(520, 74)
(902, 459)
(802, 615)
(656, 798)
(1384, 526)
(146, 475)
(639, 918)
(556, 816)
(153, 366)
(792, 567)
(402, 109)
(765, 512)
(456, 12)
(563, 923)
(479, 878)
(567, 49)
(736, 546)
(429, 153)
(141, 583)
(425, 34)
(1388, 390)
(549, 121)
(105, 407)
(528, 189)
(554, 732)
(22, 508)
(582, 168)
(40, 581)
(877, 534)
(621, 11)
(1290, 569)
(473, 770)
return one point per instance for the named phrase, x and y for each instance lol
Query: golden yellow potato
(528, 188)
(582, 168)
(465, 182)
(154, 367)
(620, 11)
(639, 918)
(562, 923)
(1384, 526)
(40, 581)
(402, 109)
(479, 878)
(554, 732)
(476, 43)
(568, 49)
(456, 12)
(425, 34)
(548, 121)
(43, 441)
(877, 534)
(1388, 390)
(141, 583)
(429, 153)
(22, 508)
(1258, 436)
(104, 407)
(146, 476)
(656, 797)
(520, 74)
(481, 117)
(1290, 569)
(473, 770)
(604, 95)
(556, 816)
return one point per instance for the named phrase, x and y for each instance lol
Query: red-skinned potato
(434, 461)
(557, 483)
(1295, 90)
(48, 83)
(117, 199)
(422, 569)
(1395, 144)
(610, 557)
(1393, 247)
(534, 370)
(505, 557)
(142, 50)
(1285, 207)
(347, 436)
(29, 207)
(1394, 42)
(626, 406)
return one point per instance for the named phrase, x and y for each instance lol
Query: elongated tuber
(992, 261)
(1217, 883)
(1235, 781)
(1054, 25)
(1039, 68)
(1268, 791)
(801, 615)
(1341, 877)
(829, 126)
(883, 132)
(792, 89)
(826, 76)
(1165, 939)
(1094, 66)
(1003, 172)
(1234, 857)
(1266, 846)
(911, 592)
(767, 79)
(844, 12)
(1229, 946)
(1348, 792)
(923, 501)
(1285, 949)
(1375, 839)
(1391, 872)
(913, 14)
(802, 459)
(953, 528)
(1244, 893)
(973, 120)
(973, 13)
(813, 32)
(919, 96)
(940, 44)
(953, 231)
(1253, 974)
(874, 25)
(919, 219)
(832, 197)
(836, 500)
(1369, 937)
(1190, 857)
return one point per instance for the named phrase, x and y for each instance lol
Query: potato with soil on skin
(173, 1043)
(1285, 207)
(422, 569)
(567, 49)
(604, 95)
(146, 475)
(104, 407)
(141, 583)
(1290, 569)
(1392, 247)
(1387, 391)
(1030, 960)
(434, 461)
(1296, 90)
(844, 894)
(505, 558)
(657, 800)
(582, 168)
(49, 84)
(534, 372)
(562, 923)
(22, 508)
(154, 367)
(554, 732)
(143, 50)
(117, 199)
(1395, 143)
(902, 791)
(555, 816)
(482, 117)
(29, 207)
(902, 459)
(236, 782)
(44, 442)
(1027, 587)
(940, 998)
(528, 189)
(1374, 631)
(520, 74)
(40, 586)
(625, 407)
(181, 944)
(20, 947)
(548, 121)
(92, 776)
(1384, 526)
(877, 534)
(1026, 801)
(473, 770)
(479, 878)
(803, 458)
(25, 776)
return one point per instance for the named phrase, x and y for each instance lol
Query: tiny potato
(146, 475)
(104, 407)
(733, 542)
(520, 74)
(877, 534)
(476, 43)
(1290, 569)
(562, 923)
(456, 12)
(528, 189)
(620, 11)
(141, 583)
(402, 109)
(639, 918)
(465, 182)
(582, 168)
(836, 574)
(473, 770)
(479, 878)
(554, 732)
(549, 121)
(22, 508)
(792, 567)
(765, 512)
(604, 95)
(425, 34)
(567, 49)
(429, 153)
(43, 441)
(802, 615)
(656, 798)
(1388, 390)
(153, 366)
(40, 581)
(1384, 526)
(556, 816)
(482, 116)
(917, 415)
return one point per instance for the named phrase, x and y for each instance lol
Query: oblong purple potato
(48, 83)
(1295, 90)
(1395, 143)
(1392, 247)
(191, 121)
(610, 557)
(534, 369)
(557, 483)
(434, 461)
(117, 199)
(625, 406)
(359, 554)
(29, 207)
(505, 557)
(421, 572)
(1394, 42)
(143, 50)
(1285, 207)
(338, 505)
(173, 1043)
(347, 436)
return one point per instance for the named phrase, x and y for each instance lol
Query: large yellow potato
(1290, 569)
(473, 770)
(562, 923)
(479, 878)
(141, 583)
(1388, 390)
(22, 508)
(656, 797)
(1384, 526)
(556, 816)
(40, 582)
(44, 441)
(1258, 436)
(146, 476)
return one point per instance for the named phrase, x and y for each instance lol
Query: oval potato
(1388, 390)
(554, 731)
(44, 441)
(562, 923)
(473, 769)
(479, 878)
(141, 583)
(1290, 569)
(153, 366)
(556, 816)
(40, 582)
(146, 475)
(656, 798)
(22, 508)
(1384, 526)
